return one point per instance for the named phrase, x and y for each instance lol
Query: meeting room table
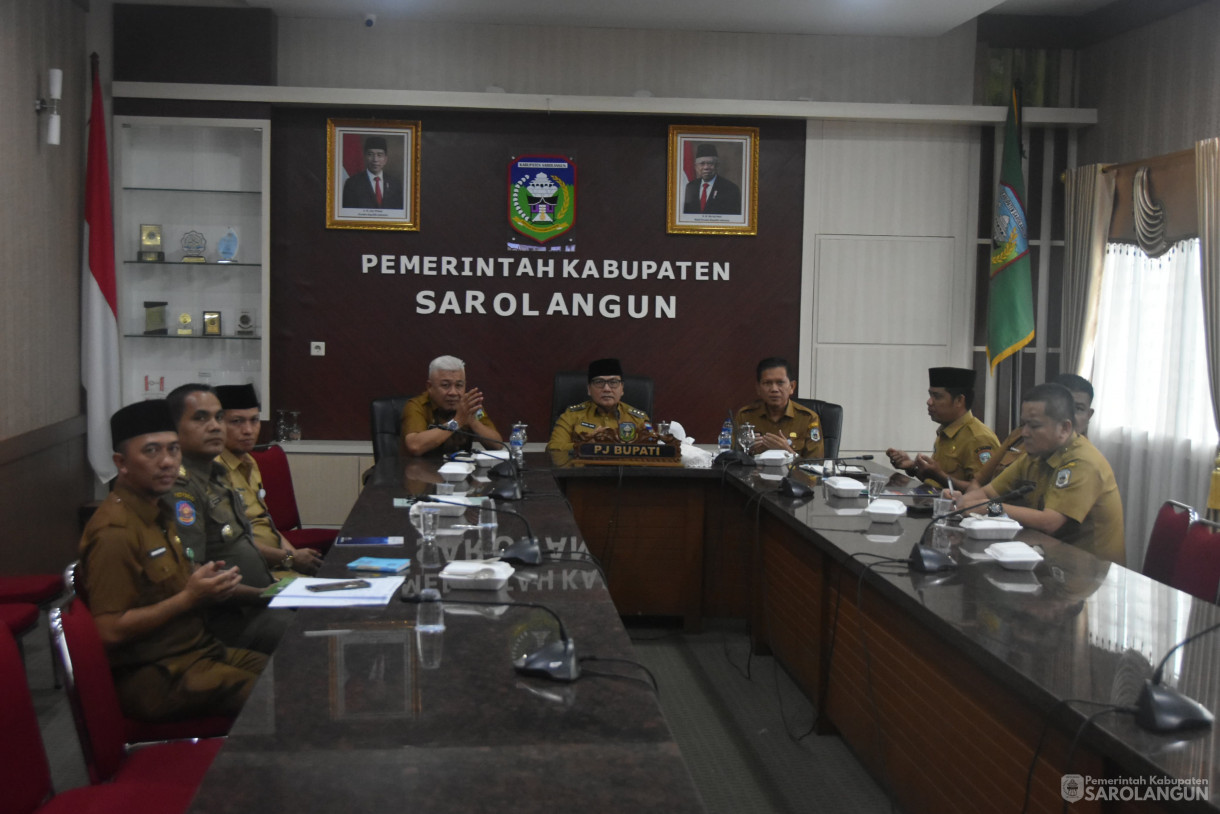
(946, 686)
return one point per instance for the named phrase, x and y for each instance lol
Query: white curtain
(1154, 420)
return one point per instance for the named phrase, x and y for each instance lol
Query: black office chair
(831, 416)
(385, 424)
(572, 387)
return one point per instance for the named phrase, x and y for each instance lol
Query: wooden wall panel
(40, 225)
(702, 361)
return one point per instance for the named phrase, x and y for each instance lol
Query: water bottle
(516, 443)
(726, 436)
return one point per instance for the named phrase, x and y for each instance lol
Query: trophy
(211, 323)
(184, 325)
(150, 244)
(245, 324)
(154, 318)
(226, 247)
(194, 244)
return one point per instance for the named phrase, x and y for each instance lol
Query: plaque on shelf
(226, 247)
(184, 325)
(211, 323)
(150, 244)
(154, 318)
(194, 244)
(154, 384)
(245, 323)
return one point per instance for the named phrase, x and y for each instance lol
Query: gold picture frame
(211, 323)
(353, 199)
(729, 203)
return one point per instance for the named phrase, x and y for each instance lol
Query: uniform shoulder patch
(1063, 477)
(184, 511)
(815, 434)
(637, 413)
(984, 455)
(575, 408)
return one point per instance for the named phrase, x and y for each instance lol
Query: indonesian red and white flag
(99, 337)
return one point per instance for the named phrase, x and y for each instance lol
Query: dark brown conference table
(941, 684)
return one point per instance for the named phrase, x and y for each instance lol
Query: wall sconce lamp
(55, 87)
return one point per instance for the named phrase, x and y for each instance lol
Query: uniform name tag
(157, 552)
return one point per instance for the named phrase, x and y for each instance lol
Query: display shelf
(192, 175)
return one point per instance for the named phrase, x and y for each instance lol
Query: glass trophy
(184, 325)
(226, 247)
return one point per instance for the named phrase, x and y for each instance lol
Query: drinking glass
(746, 437)
(294, 425)
(876, 486)
(489, 524)
(429, 553)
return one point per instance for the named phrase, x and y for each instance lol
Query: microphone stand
(1164, 709)
(526, 551)
(555, 660)
(505, 469)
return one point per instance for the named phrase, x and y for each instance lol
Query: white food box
(885, 511)
(466, 575)
(990, 528)
(1016, 556)
(844, 487)
(454, 471)
(490, 457)
(774, 457)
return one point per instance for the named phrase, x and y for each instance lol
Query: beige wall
(43, 476)
(1156, 89)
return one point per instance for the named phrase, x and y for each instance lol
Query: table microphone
(554, 660)
(505, 469)
(523, 552)
(1164, 709)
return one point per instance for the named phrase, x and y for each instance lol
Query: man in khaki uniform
(241, 422)
(1082, 397)
(963, 443)
(1075, 497)
(145, 597)
(780, 422)
(212, 522)
(604, 410)
(434, 421)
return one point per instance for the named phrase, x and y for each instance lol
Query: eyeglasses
(603, 383)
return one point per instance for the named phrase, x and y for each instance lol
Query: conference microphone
(505, 469)
(523, 552)
(854, 458)
(554, 660)
(1023, 489)
(1164, 709)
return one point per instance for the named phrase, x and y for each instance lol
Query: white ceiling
(917, 18)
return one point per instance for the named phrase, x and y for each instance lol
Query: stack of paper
(297, 595)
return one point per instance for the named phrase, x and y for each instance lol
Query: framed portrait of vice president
(713, 180)
(372, 174)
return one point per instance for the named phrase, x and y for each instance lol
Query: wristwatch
(286, 563)
(451, 425)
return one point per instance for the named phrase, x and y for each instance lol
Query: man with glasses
(241, 422)
(436, 421)
(603, 417)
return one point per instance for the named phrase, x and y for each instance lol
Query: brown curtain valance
(1172, 183)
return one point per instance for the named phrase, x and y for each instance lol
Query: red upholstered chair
(1198, 567)
(25, 776)
(37, 589)
(19, 618)
(103, 730)
(1166, 539)
(281, 501)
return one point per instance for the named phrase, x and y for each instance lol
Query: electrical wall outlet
(317, 348)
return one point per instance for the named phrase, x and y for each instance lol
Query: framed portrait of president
(372, 174)
(713, 180)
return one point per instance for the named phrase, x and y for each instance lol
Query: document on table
(297, 594)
